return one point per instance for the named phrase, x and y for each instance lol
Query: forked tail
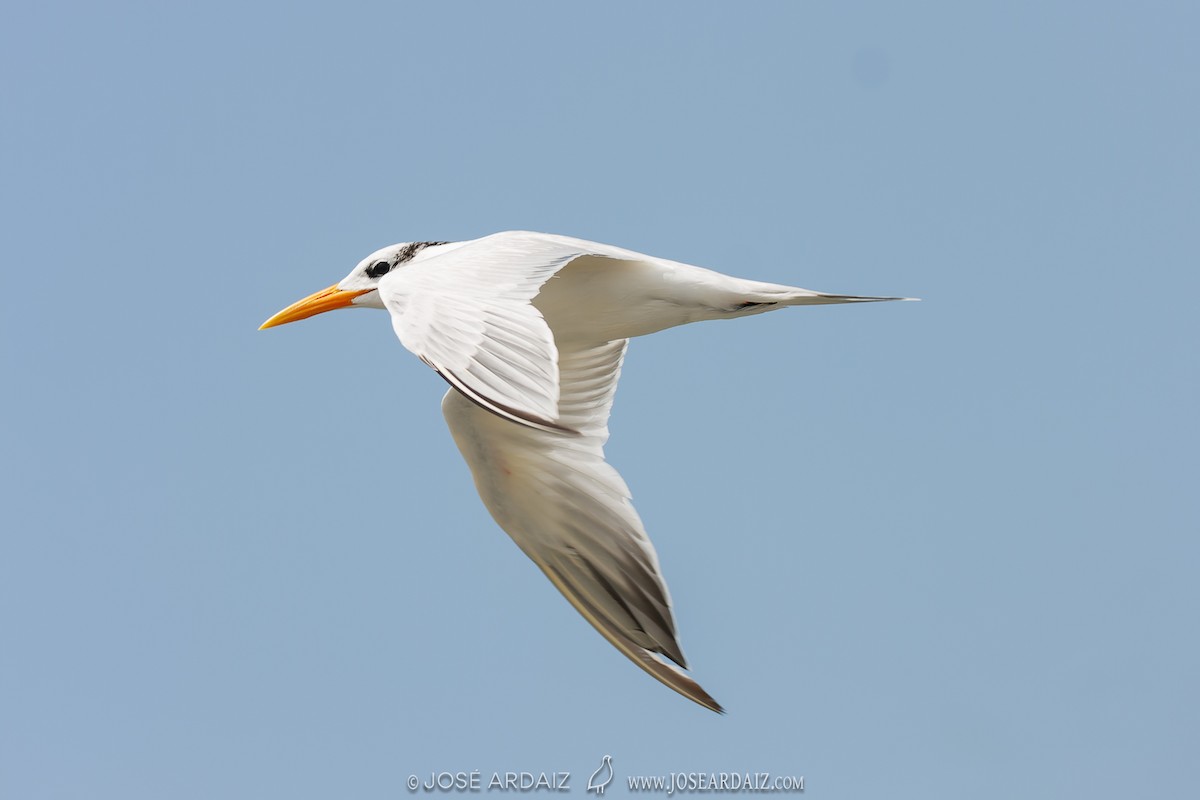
(755, 298)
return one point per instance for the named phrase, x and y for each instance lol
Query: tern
(529, 330)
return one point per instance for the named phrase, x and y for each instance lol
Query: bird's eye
(378, 269)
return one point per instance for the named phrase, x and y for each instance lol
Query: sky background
(934, 550)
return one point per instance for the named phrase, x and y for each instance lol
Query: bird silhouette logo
(602, 777)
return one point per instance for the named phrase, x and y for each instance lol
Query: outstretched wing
(570, 511)
(466, 312)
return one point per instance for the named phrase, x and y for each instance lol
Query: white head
(359, 288)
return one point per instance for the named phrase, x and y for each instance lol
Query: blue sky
(944, 549)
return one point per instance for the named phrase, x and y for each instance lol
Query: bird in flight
(529, 330)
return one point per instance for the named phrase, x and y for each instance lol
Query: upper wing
(570, 511)
(466, 312)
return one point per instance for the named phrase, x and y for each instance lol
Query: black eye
(378, 269)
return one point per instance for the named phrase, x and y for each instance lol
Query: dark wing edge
(569, 512)
(501, 410)
(667, 674)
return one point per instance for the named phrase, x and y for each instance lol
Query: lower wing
(570, 511)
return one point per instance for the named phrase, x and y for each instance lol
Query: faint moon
(872, 67)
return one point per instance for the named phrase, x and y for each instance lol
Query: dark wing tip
(668, 674)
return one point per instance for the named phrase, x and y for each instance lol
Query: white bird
(529, 330)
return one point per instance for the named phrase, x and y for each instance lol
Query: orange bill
(317, 303)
